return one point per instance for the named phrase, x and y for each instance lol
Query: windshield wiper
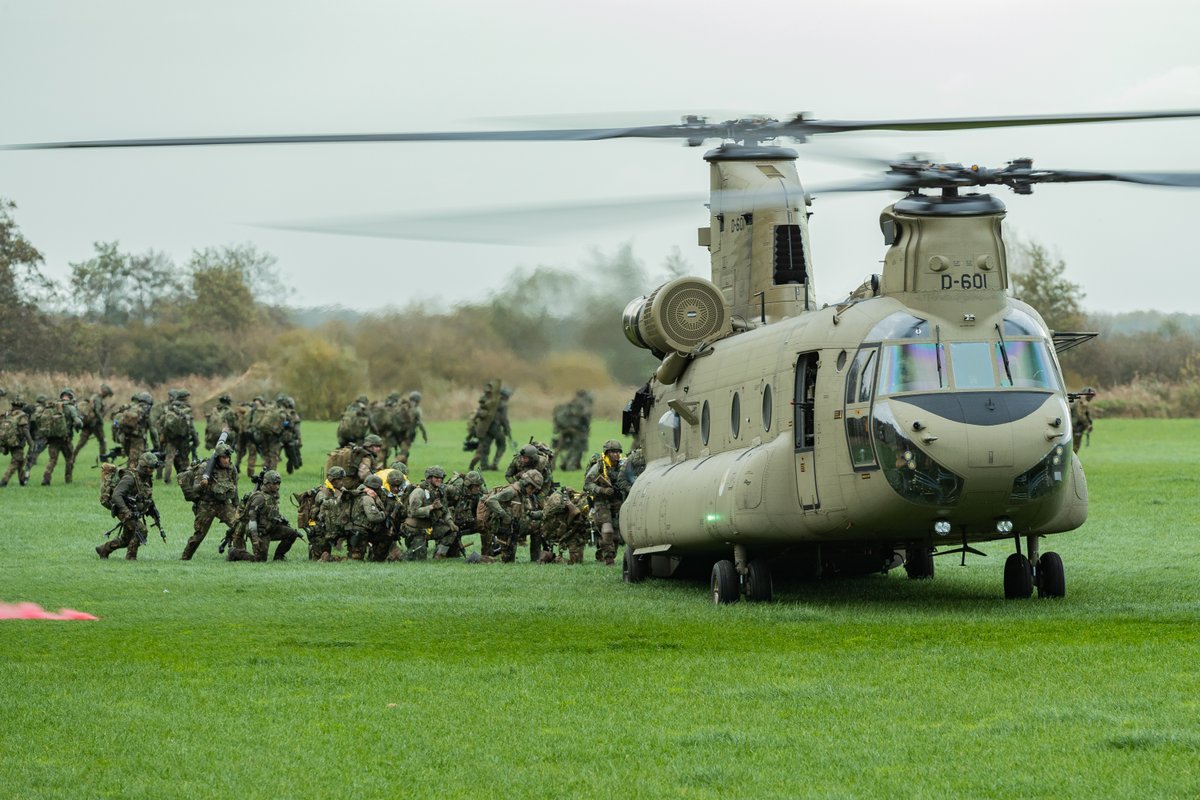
(937, 352)
(1004, 355)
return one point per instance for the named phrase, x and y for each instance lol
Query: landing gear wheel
(1018, 578)
(633, 568)
(759, 588)
(1051, 581)
(918, 561)
(724, 584)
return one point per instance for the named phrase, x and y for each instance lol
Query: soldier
(39, 439)
(463, 495)
(217, 497)
(247, 444)
(291, 439)
(429, 518)
(92, 414)
(606, 486)
(15, 440)
(365, 525)
(1081, 417)
(564, 524)
(177, 433)
(263, 524)
(267, 427)
(499, 432)
(381, 417)
(131, 423)
(355, 423)
(132, 501)
(409, 419)
(57, 422)
(221, 417)
(366, 459)
(506, 508)
(325, 524)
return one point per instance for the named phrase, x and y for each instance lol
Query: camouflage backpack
(130, 419)
(189, 480)
(110, 476)
(268, 421)
(483, 513)
(10, 435)
(51, 421)
(339, 458)
(87, 413)
(354, 425)
(175, 423)
(307, 507)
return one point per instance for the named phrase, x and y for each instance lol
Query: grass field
(281, 680)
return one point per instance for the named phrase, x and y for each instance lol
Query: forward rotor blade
(693, 132)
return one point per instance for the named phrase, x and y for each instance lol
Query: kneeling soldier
(506, 507)
(263, 524)
(367, 517)
(429, 518)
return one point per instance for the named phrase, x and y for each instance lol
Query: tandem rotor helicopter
(924, 413)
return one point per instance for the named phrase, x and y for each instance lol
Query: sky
(78, 70)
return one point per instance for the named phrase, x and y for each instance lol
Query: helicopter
(923, 414)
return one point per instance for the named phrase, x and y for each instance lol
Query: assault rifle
(257, 480)
(111, 455)
(138, 511)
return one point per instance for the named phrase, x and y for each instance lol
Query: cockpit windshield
(929, 366)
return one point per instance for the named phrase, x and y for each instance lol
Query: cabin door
(804, 428)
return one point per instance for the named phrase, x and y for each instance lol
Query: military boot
(283, 547)
(239, 554)
(105, 550)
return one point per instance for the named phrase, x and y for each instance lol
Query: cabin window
(705, 423)
(735, 416)
(973, 364)
(1018, 323)
(1030, 365)
(790, 265)
(913, 367)
(860, 381)
(669, 425)
(900, 325)
(767, 407)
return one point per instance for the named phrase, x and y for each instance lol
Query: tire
(759, 587)
(918, 561)
(725, 588)
(633, 568)
(1018, 578)
(1052, 581)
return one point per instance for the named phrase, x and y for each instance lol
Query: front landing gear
(742, 576)
(1022, 573)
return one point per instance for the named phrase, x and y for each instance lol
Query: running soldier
(221, 417)
(290, 439)
(15, 440)
(131, 423)
(246, 443)
(408, 420)
(132, 501)
(216, 497)
(355, 423)
(177, 434)
(92, 414)
(267, 427)
(605, 485)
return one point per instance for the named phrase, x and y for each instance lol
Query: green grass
(209, 679)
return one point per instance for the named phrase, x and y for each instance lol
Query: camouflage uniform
(565, 523)
(268, 426)
(218, 499)
(132, 500)
(606, 486)
(177, 434)
(325, 525)
(15, 440)
(499, 432)
(247, 443)
(365, 460)
(261, 522)
(221, 417)
(355, 423)
(92, 414)
(463, 495)
(408, 420)
(290, 438)
(58, 422)
(365, 525)
(131, 423)
(429, 518)
(507, 506)
(571, 422)
(1081, 416)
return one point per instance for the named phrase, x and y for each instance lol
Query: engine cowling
(677, 317)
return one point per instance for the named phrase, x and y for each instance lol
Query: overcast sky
(124, 69)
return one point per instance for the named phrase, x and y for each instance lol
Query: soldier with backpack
(259, 520)
(15, 440)
(500, 513)
(129, 494)
(221, 417)
(131, 423)
(212, 493)
(290, 439)
(318, 515)
(355, 423)
(92, 414)
(268, 426)
(408, 420)
(57, 422)
(247, 447)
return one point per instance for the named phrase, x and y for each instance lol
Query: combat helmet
(272, 477)
(530, 451)
(373, 440)
(223, 450)
(147, 462)
(414, 397)
(41, 399)
(373, 482)
(106, 390)
(68, 391)
(17, 401)
(612, 444)
(532, 477)
(335, 473)
(473, 478)
(399, 466)
(145, 398)
(435, 472)
(182, 394)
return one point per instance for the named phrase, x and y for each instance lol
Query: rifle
(292, 451)
(111, 455)
(257, 481)
(151, 511)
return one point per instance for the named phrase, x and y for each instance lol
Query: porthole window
(705, 423)
(841, 360)
(735, 416)
(672, 429)
(767, 407)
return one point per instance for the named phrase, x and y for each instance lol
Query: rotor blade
(1182, 179)
(801, 126)
(881, 183)
(693, 132)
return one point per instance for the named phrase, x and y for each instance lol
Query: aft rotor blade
(801, 126)
(1181, 179)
